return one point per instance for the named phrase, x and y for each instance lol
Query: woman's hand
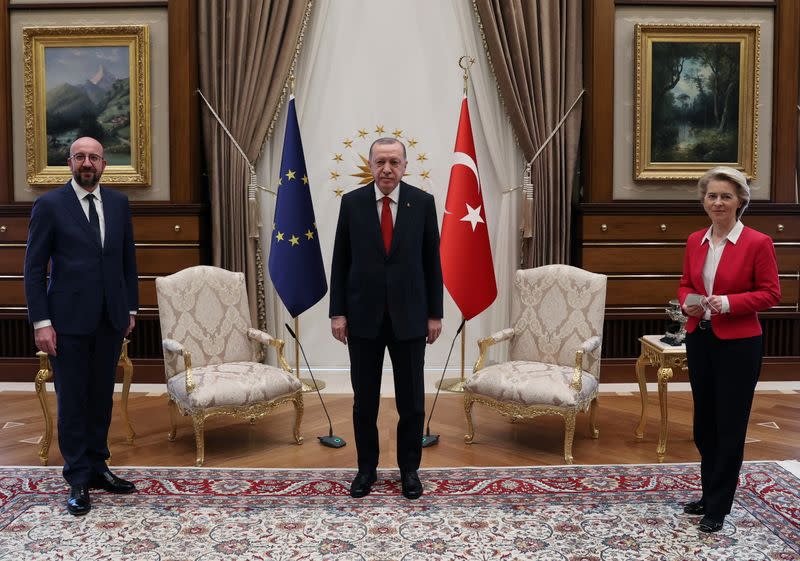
(714, 304)
(694, 311)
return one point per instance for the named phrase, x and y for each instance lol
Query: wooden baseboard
(623, 370)
(613, 370)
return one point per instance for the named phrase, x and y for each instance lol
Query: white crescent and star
(473, 215)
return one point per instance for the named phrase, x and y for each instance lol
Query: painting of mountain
(88, 94)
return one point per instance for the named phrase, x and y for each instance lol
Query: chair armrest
(589, 346)
(171, 345)
(266, 339)
(486, 342)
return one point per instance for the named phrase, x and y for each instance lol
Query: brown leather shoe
(79, 502)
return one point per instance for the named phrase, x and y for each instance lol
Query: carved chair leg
(173, 420)
(44, 375)
(298, 416)
(199, 437)
(468, 403)
(593, 430)
(569, 435)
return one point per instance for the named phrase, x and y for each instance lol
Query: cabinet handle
(780, 228)
(663, 227)
(3, 229)
(604, 227)
(177, 227)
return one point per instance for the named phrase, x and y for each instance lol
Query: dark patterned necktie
(94, 219)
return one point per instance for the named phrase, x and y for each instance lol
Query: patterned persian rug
(587, 513)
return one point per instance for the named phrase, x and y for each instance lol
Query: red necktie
(386, 224)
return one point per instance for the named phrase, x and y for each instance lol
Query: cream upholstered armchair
(554, 351)
(213, 358)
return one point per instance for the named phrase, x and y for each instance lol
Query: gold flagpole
(457, 384)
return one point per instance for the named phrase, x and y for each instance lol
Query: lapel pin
(408, 205)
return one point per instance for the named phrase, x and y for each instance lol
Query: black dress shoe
(111, 483)
(412, 486)
(362, 484)
(79, 502)
(710, 525)
(694, 507)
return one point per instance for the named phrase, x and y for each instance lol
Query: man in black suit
(84, 232)
(386, 291)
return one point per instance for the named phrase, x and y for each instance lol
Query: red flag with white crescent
(465, 253)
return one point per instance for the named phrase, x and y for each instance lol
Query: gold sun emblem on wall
(350, 163)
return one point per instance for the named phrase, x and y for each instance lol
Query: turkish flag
(466, 255)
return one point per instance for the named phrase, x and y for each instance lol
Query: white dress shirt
(98, 204)
(394, 198)
(712, 262)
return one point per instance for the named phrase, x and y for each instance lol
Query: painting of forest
(695, 101)
(88, 94)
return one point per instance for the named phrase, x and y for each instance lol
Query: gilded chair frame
(244, 412)
(516, 411)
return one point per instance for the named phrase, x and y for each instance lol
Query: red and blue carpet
(550, 513)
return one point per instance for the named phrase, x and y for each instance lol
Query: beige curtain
(535, 48)
(246, 52)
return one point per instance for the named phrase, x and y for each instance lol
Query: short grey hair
(387, 140)
(734, 176)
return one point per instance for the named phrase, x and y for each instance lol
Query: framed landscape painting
(696, 100)
(87, 81)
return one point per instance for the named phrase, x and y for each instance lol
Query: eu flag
(295, 258)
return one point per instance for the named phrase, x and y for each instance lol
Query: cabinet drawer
(677, 228)
(166, 228)
(641, 228)
(662, 258)
(13, 229)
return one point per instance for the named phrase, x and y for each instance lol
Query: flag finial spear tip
(465, 62)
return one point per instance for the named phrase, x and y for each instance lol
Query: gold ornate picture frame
(696, 99)
(87, 81)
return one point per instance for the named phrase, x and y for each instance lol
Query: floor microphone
(330, 441)
(430, 439)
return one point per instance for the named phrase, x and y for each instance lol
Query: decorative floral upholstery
(212, 355)
(232, 383)
(531, 383)
(205, 309)
(554, 350)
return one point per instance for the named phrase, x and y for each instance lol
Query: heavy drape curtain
(535, 48)
(246, 51)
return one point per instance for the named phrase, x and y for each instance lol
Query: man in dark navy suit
(386, 291)
(84, 232)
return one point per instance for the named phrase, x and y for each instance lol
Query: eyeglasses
(80, 158)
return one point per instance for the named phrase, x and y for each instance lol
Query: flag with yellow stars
(295, 258)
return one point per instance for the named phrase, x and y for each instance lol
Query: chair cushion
(231, 384)
(530, 383)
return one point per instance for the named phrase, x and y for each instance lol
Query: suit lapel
(401, 221)
(73, 205)
(699, 261)
(369, 208)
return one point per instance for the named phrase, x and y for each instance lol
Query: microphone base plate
(430, 440)
(332, 441)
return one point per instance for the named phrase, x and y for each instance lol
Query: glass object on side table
(676, 327)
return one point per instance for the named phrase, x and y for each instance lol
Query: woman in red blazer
(729, 274)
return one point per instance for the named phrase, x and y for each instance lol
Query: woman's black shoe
(709, 525)
(694, 507)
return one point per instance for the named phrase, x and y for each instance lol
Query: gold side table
(665, 357)
(45, 374)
